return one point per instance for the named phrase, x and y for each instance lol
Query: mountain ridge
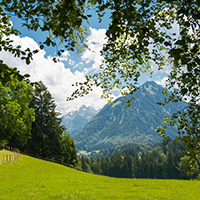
(75, 120)
(115, 123)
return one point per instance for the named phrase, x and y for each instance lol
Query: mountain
(115, 123)
(74, 121)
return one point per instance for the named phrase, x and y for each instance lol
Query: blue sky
(59, 77)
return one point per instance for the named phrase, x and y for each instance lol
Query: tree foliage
(62, 20)
(139, 36)
(68, 150)
(15, 116)
(49, 139)
(160, 163)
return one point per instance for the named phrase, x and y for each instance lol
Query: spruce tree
(170, 167)
(46, 130)
(49, 139)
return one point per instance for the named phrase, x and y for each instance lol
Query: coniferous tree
(103, 165)
(170, 165)
(127, 167)
(144, 165)
(85, 164)
(46, 130)
(151, 166)
(49, 138)
(177, 158)
(92, 162)
(107, 163)
(137, 166)
(96, 166)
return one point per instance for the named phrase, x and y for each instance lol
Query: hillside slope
(34, 179)
(116, 123)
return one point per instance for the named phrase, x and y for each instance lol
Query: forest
(30, 122)
(161, 162)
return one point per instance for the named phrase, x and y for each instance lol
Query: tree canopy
(139, 37)
(49, 139)
(15, 115)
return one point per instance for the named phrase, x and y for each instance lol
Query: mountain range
(115, 123)
(74, 121)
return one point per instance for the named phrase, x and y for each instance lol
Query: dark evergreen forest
(162, 162)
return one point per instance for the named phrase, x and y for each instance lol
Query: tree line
(163, 162)
(29, 121)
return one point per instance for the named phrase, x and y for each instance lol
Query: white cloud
(55, 76)
(95, 44)
(65, 56)
(71, 62)
(78, 65)
(162, 82)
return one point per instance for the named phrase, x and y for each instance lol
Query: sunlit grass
(31, 178)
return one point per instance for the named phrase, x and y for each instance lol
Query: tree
(137, 164)
(139, 36)
(68, 150)
(63, 20)
(49, 138)
(127, 167)
(170, 167)
(15, 116)
(85, 164)
(182, 166)
(159, 168)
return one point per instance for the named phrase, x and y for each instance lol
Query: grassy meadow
(31, 178)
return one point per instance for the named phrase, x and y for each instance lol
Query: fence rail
(12, 154)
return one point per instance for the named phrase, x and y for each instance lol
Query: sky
(59, 77)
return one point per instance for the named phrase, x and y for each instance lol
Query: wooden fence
(9, 156)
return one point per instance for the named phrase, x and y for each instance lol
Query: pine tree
(144, 165)
(107, 163)
(49, 139)
(46, 130)
(127, 167)
(151, 166)
(170, 167)
(85, 164)
(137, 166)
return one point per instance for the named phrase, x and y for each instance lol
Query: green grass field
(31, 178)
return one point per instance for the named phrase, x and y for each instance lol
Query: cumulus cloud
(162, 82)
(95, 44)
(55, 76)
